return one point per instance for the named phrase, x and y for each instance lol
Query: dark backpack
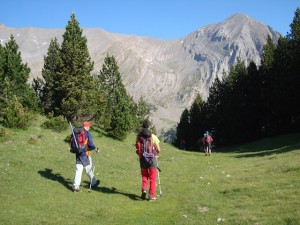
(145, 147)
(78, 141)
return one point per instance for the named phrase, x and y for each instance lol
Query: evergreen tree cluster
(18, 100)
(67, 88)
(250, 102)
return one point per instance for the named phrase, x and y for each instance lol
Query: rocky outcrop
(169, 74)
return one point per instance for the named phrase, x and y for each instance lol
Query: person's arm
(90, 141)
(156, 143)
(157, 148)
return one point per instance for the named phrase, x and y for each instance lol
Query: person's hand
(97, 150)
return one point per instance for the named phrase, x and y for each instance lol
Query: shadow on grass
(280, 150)
(48, 174)
(114, 190)
(269, 146)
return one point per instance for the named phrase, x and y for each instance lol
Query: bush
(118, 134)
(4, 134)
(16, 116)
(57, 124)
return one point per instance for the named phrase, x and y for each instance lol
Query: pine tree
(183, 128)
(14, 77)
(267, 58)
(266, 73)
(294, 77)
(2, 63)
(253, 104)
(17, 98)
(120, 114)
(74, 88)
(235, 101)
(295, 26)
(196, 121)
(2, 78)
(17, 73)
(143, 112)
(45, 87)
(214, 107)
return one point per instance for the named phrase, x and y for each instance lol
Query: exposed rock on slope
(168, 73)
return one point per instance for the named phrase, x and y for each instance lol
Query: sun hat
(86, 124)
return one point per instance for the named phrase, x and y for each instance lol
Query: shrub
(57, 124)
(16, 116)
(4, 134)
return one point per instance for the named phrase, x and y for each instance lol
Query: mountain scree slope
(169, 74)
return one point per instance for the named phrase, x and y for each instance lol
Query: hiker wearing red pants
(147, 148)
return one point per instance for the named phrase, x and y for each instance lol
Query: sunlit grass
(258, 183)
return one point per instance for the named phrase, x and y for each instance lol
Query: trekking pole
(72, 131)
(89, 190)
(158, 170)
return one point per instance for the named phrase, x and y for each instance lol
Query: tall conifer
(183, 128)
(74, 87)
(15, 75)
(120, 111)
(45, 86)
(196, 121)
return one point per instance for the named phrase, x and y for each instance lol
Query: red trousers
(149, 174)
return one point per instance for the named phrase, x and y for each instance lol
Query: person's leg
(78, 174)
(90, 172)
(145, 176)
(152, 176)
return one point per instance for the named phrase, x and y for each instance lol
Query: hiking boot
(96, 184)
(75, 190)
(143, 196)
(152, 199)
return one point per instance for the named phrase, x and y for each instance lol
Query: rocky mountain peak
(168, 74)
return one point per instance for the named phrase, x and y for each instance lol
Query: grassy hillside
(258, 183)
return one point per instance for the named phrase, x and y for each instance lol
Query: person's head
(146, 123)
(86, 125)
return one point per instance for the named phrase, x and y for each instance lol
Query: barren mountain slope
(168, 73)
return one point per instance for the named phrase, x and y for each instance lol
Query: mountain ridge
(168, 73)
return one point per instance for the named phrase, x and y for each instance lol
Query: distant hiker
(147, 148)
(182, 144)
(84, 160)
(207, 140)
(200, 144)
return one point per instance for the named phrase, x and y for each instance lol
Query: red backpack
(78, 141)
(208, 139)
(145, 147)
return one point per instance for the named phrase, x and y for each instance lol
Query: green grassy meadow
(257, 183)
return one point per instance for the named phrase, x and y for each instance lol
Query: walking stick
(158, 170)
(89, 190)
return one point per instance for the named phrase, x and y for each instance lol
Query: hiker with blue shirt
(84, 161)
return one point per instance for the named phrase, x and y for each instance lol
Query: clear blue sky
(163, 19)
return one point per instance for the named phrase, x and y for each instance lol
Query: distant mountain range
(168, 74)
